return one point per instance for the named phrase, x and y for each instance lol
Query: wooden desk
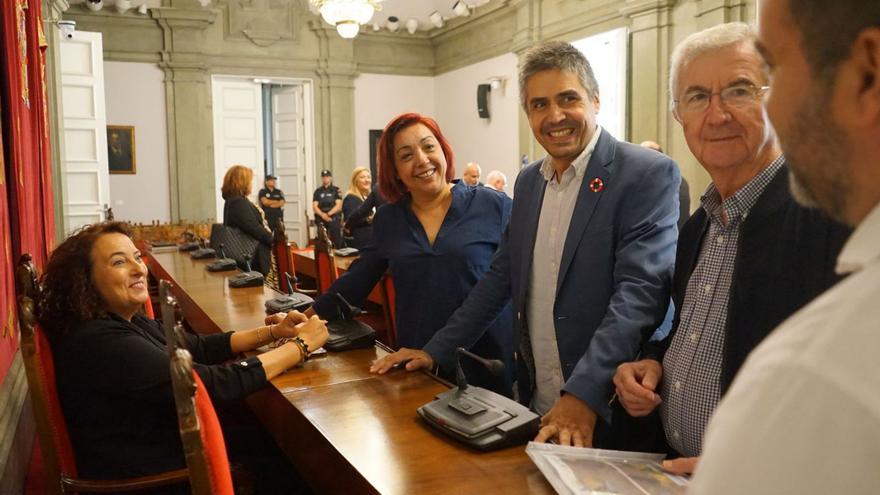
(304, 261)
(346, 430)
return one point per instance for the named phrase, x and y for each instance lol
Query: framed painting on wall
(121, 149)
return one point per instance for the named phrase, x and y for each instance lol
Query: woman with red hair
(436, 238)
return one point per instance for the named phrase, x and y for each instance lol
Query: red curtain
(26, 204)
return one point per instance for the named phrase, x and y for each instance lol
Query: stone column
(188, 108)
(528, 32)
(334, 103)
(650, 32)
(714, 12)
(52, 10)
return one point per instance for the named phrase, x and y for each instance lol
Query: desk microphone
(292, 301)
(495, 366)
(347, 333)
(223, 263)
(477, 417)
(249, 278)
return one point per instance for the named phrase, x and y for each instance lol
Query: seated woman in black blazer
(360, 232)
(240, 212)
(112, 366)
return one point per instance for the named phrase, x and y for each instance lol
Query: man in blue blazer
(587, 258)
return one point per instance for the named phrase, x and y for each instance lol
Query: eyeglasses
(736, 96)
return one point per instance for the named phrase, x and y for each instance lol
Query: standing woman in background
(436, 238)
(359, 232)
(241, 213)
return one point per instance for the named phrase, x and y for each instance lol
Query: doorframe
(308, 127)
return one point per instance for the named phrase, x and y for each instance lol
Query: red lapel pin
(596, 185)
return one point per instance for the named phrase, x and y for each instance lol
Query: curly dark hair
(68, 295)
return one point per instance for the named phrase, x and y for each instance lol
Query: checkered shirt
(692, 365)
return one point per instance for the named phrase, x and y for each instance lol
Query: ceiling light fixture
(436, 19)
(461, 9)
(122, 6)
(412, 24)
(393, 23)
(347, 15)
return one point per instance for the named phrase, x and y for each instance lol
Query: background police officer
(272, 202)
(327, 205)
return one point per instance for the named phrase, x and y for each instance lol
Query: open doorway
(267, 125)
(608, 55)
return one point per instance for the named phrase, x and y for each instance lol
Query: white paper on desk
(578, 471)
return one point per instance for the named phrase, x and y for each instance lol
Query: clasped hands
(312, 330)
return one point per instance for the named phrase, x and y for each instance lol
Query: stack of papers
(577, 471)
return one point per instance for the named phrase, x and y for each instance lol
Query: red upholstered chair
(148, 310)
(389, 308)
(203, 444)
(59, 461)
(325, 261)
(281, 248)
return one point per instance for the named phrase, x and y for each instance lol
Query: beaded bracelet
(303, 348)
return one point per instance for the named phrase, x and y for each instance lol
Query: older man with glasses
(747, 259)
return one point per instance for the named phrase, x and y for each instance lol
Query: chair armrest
(124, 485)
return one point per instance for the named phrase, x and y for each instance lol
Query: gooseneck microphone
(291, 280)
(247, 262)
(495, 366)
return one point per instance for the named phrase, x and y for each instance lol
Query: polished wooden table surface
(348, 431)
(304, 261)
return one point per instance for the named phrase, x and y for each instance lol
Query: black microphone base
(346, 335)
(290, 302)
(221, 265)
(246, 279)
(202, 254)
(480, 418)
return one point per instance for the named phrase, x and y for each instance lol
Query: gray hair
(496, 174)
(706, 41)
(556, 55)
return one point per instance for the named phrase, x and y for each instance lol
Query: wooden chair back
(59, 460)
(389, 309)
(325, 261)
(203, 444)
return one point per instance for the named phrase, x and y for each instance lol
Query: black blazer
(114, 384)
(786, 258)
(240, 213)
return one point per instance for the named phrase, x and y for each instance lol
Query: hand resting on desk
(415, 359)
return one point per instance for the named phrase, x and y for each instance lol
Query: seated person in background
(747, 259)
(240, 212)
(361, 182)
(363, 215)
(327, 206)
(496, 180)
(112, 365)
(437, 240)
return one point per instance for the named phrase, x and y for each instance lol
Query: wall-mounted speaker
(483, 100)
